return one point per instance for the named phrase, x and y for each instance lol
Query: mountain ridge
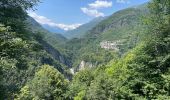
(81, 31)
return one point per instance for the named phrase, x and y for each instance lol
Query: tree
(79, 85)
(13, 13)
(47, 84)
(1, 84)
(151, 59)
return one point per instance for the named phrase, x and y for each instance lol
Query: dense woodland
(34, 63)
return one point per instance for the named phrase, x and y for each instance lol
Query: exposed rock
(55, 53)
(72, 70)
(83, 65)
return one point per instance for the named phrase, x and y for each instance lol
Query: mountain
(53, 39)
(82, 30)
(25, 47)
(99, 38)
(126, 56)
(116, 34)
(53, 29)
(141, 71)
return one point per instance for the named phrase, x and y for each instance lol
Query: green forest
(36, 64)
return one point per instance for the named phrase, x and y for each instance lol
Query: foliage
(141, 71)
(79, 84)
(20, 51)
(13, 13)
(47, 83)
(124, 26)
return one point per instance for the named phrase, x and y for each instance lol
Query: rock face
(72, 71)
(55, 53)
(83, 65)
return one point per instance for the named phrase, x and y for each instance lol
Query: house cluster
(110, 45)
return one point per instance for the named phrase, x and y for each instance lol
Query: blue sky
(69, 14)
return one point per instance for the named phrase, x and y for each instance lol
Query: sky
(70, 14)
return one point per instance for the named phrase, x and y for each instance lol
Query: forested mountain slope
(22, 52)
(50, 41)
(53, 39)
(117, 33)
(142, 73)
(82, 30)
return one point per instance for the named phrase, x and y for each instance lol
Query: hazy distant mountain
(53, 29)
(82, 30)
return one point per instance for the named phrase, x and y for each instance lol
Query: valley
(123, 56)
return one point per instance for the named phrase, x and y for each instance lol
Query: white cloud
(123, 1)
(93, 8)
(92, 12)
(45, 21)
(101, 4)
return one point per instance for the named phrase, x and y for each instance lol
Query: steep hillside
(114, 35)
(53, 39)
(82, 30)
(143, 72)
(50, 41)
(22, 52)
